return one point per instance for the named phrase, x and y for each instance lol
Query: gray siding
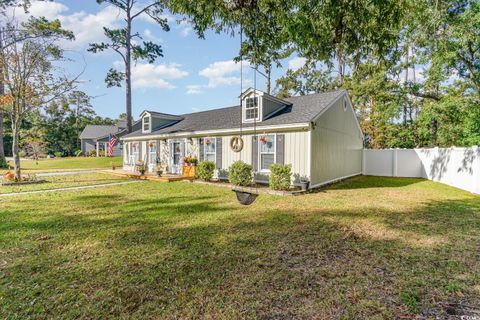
(337, 145)
(269, 107)
(87, 145)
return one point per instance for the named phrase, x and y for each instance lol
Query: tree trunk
(268, 71)
(2, 92)
(405, 80)
(16, 149)
(128, 69)
(340, 64)
(2, 150)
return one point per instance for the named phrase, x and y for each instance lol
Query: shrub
(240, 174)
(22, 154)
(3, 163)
(93, 153)
(280, 176)
(205, 170)
(78, 153)
(58, 154)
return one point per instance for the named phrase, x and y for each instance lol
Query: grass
(65, 164)
(64, 181)
(377, 248)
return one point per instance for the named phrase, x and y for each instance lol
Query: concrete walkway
(69, 188)
(65, 173)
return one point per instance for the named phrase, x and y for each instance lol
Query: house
(96, 137)
(317, 134)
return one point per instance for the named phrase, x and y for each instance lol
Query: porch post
(98, 149)
(105, 145)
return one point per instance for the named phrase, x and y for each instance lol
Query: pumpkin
(9, 176)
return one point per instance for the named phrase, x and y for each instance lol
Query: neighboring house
(317, 134)
(95, 137)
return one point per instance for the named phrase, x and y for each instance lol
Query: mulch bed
(257, 188)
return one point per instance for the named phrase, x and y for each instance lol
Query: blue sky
(193, 75)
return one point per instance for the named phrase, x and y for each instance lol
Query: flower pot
(188, 171)
(304, 185)
(159, 173)
(142, 172)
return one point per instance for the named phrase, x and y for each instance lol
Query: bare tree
(30, 75)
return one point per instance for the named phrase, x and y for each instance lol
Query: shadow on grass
(203, 256)
(366, 182)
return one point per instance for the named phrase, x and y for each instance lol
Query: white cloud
(223, 73)
(149, 35)
(185, 28)
(49, 10)
(194, 89)
(87, 27)
(147, 76)
(296, 63)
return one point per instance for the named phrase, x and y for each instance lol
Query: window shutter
(280, 146)
(140, 157)
(201, 148)
(218, 153)
(255, 153)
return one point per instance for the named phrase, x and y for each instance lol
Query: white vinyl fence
(458, 167)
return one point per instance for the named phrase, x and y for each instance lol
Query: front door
(177, 155)
(152, 156)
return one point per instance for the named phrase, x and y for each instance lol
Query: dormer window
(146, 124)
(257, 106)
(251, 108)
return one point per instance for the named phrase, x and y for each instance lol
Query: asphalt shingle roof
(302, 109)
(95, 131)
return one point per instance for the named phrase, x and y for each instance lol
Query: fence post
(394, 163)
(363, 161)
(476, 171)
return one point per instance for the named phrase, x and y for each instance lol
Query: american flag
(112, 141)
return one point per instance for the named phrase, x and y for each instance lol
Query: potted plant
(114, 166)
(189, 163)
(304, 182)
(141, 167)
(159, 170)
(193, 161)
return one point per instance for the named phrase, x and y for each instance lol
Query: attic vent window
(146, 124)
(251, 108)
(345, 104)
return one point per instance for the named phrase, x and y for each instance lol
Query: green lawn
(376, 248)
(65, 164)
(64, 181)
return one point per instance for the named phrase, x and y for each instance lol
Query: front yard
(64, 181)
(365, 248)
(67, 164)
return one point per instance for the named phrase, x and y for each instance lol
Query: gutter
(234, 131)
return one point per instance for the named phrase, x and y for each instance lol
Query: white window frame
(214, 141)
(260, 152)
(259, 108)
(149, 124)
